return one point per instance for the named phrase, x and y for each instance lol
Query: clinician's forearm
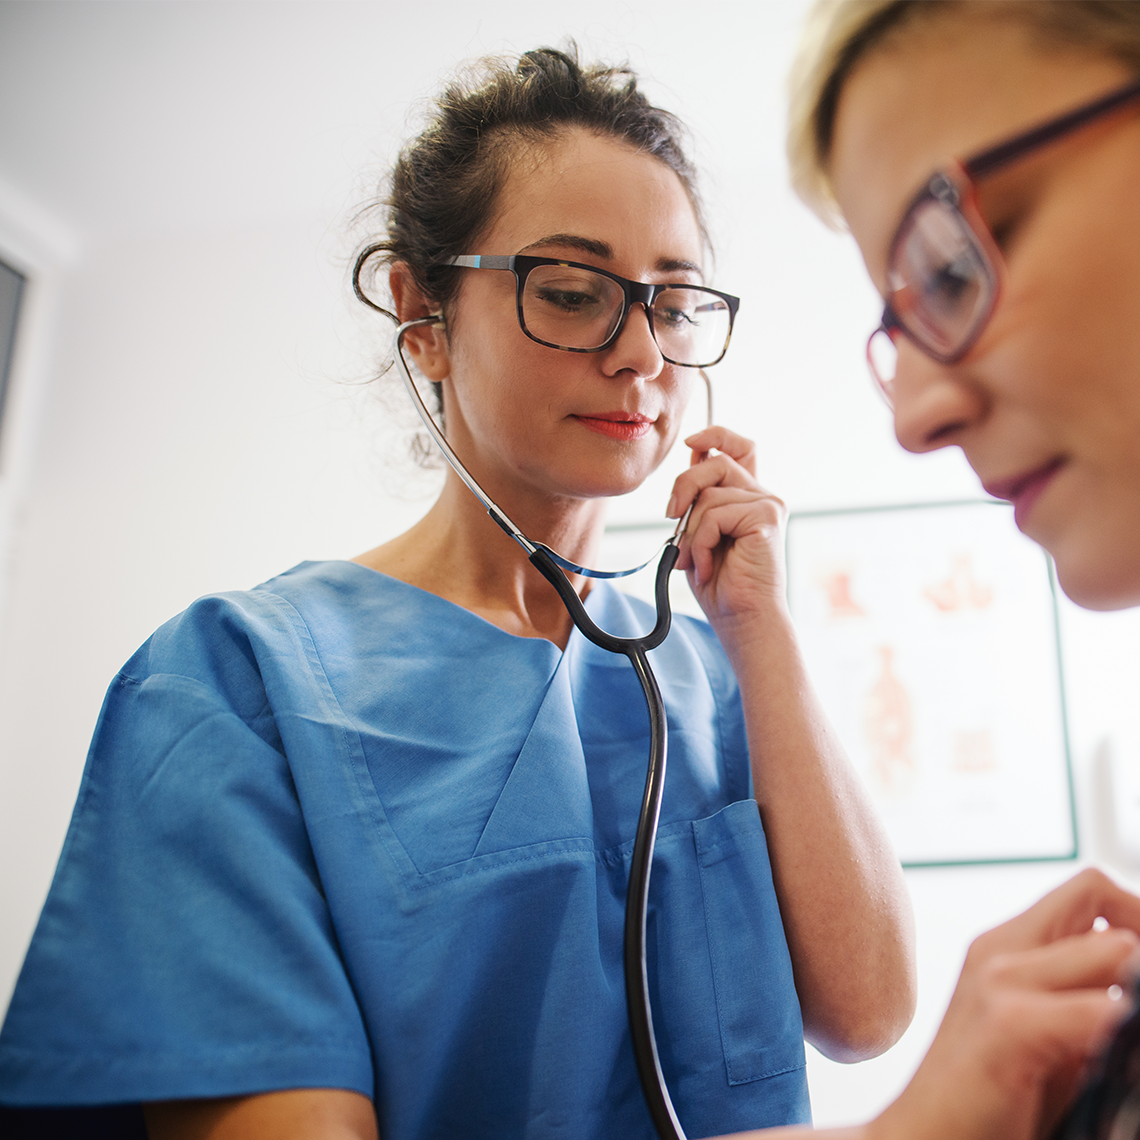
(842, 896)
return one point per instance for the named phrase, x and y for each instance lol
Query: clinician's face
(1046, 405)
(532, 419)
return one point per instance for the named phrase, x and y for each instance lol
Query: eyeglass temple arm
(480, 261)
(989, 160)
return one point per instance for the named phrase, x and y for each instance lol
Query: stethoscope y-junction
(553, 568)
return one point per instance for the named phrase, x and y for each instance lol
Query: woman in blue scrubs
(351, 848)
(986, 158)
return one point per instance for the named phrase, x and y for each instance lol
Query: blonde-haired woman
(986, 158)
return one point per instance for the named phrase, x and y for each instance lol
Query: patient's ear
(426, 345)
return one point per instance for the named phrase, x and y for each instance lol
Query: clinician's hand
(733, 548)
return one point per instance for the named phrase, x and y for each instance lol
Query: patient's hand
(1031, 1009)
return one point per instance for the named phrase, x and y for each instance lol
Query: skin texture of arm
(840, 887)
(292, 1114)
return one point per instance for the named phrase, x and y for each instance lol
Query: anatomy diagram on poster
(931, 636)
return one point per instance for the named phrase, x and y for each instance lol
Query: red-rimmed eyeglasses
(944, 269)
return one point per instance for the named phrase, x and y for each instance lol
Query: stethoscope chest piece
(1109, 1106)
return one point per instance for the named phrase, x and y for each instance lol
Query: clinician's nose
(635, 349)
(933, 403)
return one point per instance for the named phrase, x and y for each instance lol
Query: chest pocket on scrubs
(761, 1028)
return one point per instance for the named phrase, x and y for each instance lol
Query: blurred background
(188, 409)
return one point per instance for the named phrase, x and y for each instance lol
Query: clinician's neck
(457, 552)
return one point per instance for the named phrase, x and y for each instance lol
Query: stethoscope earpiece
(362, 260)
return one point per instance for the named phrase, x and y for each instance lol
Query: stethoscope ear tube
(362, 260)
(552, 572)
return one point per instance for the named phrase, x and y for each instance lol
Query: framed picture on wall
(931, 635)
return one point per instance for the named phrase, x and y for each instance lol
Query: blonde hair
(840, 33)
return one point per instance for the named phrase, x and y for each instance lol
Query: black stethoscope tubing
(641, 862)
(550, 566)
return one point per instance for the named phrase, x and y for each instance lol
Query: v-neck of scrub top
(498, 726)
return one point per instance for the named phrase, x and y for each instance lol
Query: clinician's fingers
(735, 514)
(1067, 1025)
(716, 471)
(1033, 1007)
(710, 531)
(1090, 895)
(706, 532)
(1029, 1034)
(719, 438)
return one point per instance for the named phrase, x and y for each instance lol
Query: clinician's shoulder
(220, 639)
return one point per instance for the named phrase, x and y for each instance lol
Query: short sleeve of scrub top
(336, 832)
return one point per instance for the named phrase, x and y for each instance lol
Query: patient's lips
(617, 425)
(1025, 489)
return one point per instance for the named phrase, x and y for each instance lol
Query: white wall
(178, 176)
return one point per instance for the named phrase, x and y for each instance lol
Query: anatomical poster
(930, 633)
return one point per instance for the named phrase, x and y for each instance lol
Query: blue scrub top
(338, 832)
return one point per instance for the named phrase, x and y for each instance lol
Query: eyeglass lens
(568, 307)
(940, 278)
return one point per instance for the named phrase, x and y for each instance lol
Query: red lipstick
(618, 425)
(1024, 490)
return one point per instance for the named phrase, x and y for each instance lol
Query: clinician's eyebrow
(574, 241)
(605, 251)
(675, 265)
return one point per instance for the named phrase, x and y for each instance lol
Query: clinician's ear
(426, 345)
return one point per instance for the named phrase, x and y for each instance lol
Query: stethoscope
(1108, 1107)
(552, 566)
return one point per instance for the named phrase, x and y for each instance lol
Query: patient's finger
(1096, 958)
(1070, 909)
